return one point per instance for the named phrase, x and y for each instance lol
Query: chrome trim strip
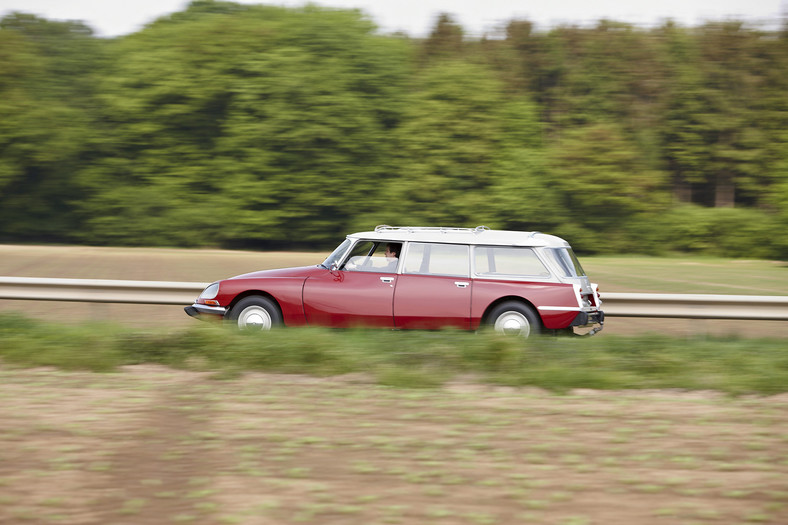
(561, 308)
(586, 309)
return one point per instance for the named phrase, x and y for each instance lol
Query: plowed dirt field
(151, 445)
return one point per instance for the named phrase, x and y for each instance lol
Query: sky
(110, 18)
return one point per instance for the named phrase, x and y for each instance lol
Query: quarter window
(565, 259)
(337, 254)
(506, 261)
(437, 259)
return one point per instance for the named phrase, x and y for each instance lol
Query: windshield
(566, 260)
(336, 255)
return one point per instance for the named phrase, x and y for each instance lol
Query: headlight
(210, 292)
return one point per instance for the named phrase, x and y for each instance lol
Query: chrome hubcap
(254, 318)
(513, 323)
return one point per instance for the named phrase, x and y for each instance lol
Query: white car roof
(479, 235)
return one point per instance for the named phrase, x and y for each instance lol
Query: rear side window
(505, 261)
(437, 259)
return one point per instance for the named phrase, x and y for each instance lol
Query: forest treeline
(268, 127)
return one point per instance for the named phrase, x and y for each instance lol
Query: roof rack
(387, 228)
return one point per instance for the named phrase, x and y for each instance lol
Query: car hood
(301, 272)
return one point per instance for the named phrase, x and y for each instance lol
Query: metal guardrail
(683, 306)
(99, 290)
(696, 306)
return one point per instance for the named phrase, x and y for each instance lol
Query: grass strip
(412, 359)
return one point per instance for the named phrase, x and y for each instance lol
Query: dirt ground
(152, 445)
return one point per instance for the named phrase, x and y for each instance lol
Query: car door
(359, 293)
(433, 289)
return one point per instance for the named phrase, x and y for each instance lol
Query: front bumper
(205, 312)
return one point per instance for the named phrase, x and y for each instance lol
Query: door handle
(387, 279)
(461, 284)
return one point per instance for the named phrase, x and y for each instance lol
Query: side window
(369, 256)
(437, 259)
(501, 260)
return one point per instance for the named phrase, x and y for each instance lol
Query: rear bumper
(594, 321)
(205, 312)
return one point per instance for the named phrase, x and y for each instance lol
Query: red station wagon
(518, 283)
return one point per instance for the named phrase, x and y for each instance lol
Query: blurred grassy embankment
(412, 359)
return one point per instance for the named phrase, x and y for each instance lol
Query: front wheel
(255, 313)
(515, 318)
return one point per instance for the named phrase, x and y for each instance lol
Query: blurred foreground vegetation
(257, 126)
(412, 359)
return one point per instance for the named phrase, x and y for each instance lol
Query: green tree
(242, 124)
(463, 144)
(603, 182)
(445, 39)
(713, 135)
(45, 119)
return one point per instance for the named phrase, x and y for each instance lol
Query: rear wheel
(255, 313)
(515, 318)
